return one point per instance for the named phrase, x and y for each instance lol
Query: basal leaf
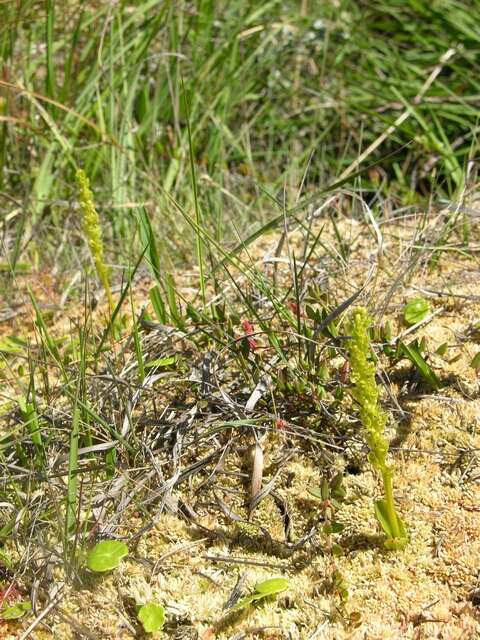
(161, 363)
(12, 344)
(106, 555)
(392, 542)
(152, 616)
(416, 310)
(15, 611)
(442, 349)
(337, 527)
(413, 353)
(263, 590)
(381, 512)
(272, 586)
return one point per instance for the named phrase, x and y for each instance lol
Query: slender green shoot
(72, 482)
(72, 501)
(137, 342)
(50, 77)
(198, 217)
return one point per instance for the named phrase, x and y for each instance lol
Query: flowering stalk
(365, 392)
(93, 231)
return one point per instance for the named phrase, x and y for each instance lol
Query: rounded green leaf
(416, 310)
(106, 555)
(15, 611)
(152, 616)
(272, 586)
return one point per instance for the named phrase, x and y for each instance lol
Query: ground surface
(193, 546)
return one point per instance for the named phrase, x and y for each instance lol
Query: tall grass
(273, 91)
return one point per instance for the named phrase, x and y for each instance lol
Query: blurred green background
(281, 98)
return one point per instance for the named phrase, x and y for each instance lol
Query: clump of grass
(373, 418)
(93, 231)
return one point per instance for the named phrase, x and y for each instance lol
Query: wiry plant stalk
(373, 418)
(93, 231)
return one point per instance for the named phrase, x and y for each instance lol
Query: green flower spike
(373, 418)
(93, 231)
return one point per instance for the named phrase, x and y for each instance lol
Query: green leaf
(475, 363)
(263, 590)
(5, 559)
(336, 481)
(192, 313)
(343, 593)
(313, 314)
(337, 527)
(15, 611)
(391, 542)
(147, 236)
(158, 304)
(333, 527)
(381, 512)
(12, 344)
(442, 349)
(316, 492)
(5, 267)
(152, 616)
(413, 353)
(106, 555)
(160, 363)
(338, 492)
(416, 310)
(175, 312)
(272, 586)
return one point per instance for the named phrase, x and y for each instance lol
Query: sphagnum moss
(93, 231)
(373, 418)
